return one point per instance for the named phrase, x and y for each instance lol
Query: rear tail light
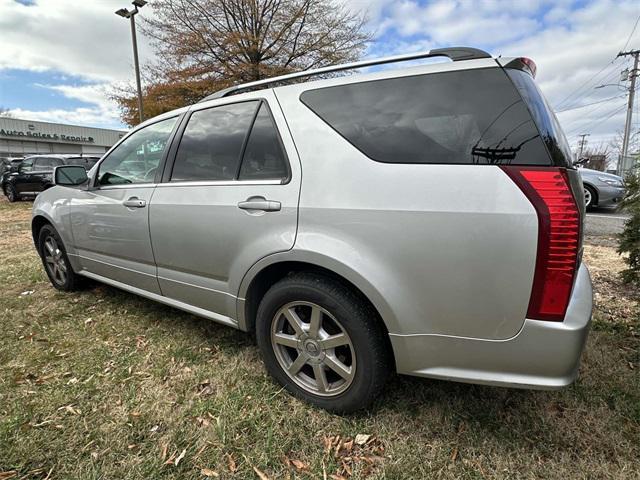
(549, 190)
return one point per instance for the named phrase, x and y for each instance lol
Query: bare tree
(205, 45)
(5, 112)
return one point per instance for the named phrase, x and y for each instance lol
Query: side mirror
(69, 175)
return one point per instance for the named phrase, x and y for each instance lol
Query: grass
(103, 384)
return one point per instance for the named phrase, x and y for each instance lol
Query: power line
(631, 34)
(595, 123)
(585, 82)
(608, 65)
(590, 104)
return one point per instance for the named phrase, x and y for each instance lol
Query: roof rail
(454, 53)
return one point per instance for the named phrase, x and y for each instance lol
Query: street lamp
(130, 14)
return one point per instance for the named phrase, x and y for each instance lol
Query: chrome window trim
(218, 183)
(125, 186)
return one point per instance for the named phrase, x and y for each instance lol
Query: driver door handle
(135, 202)
(260, 203)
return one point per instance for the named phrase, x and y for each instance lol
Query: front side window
(212, 142)
(137, 158)
(458, 117)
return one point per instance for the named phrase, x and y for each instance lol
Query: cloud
(101, 111)
(81, 38)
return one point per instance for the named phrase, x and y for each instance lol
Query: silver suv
(425, 221)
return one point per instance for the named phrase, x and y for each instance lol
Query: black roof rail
(454, 53)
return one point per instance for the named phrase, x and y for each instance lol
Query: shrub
(630, 236)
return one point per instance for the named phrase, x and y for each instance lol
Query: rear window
(460, 117)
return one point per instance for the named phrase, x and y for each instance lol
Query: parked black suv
(34, 174)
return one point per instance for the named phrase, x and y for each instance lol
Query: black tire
(368, 340)
(11, 194)
(67, 281)
(594, 197)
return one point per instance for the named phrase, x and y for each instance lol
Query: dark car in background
(34, 174)
(9, 164)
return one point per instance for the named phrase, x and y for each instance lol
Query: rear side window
(263, 157)
(212, 142)
(460, 117)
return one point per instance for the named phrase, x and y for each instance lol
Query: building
(24, 137)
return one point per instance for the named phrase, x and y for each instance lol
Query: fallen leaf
(209, 473)
(8, 475)
(163, 451)
(180, 457)
(299, 465)
(454, 454)
(232, 463)
(362, 438)
(260, 474)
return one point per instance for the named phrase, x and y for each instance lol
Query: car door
(42, 172)
(229, 199)
(110, 220)
(22, 179)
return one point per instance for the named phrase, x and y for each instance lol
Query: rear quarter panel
(450, 249)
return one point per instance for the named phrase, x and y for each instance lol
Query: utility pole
(622, 165)
(582, 142)
(131, 15)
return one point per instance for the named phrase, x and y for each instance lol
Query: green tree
(206, 45)
(630, 236)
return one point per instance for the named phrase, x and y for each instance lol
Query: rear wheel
(322, 342)
(55, 260)
(11, 194)
(590, 197)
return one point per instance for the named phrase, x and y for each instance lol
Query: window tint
(263, 157)
(544, 117)
(137, 158)
(212, 142)
(471, 116)
(26, 165)
(46, 163)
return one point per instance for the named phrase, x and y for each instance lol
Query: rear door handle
(260, 203)
(135, 202)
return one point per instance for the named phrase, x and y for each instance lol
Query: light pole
(130, 14)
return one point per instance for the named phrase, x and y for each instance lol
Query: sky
(60, 58)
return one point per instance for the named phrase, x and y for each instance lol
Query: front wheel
(11, 194)
(322, 342)
(55, 260)
(589, 197)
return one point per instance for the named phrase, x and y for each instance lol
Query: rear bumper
(543, 355)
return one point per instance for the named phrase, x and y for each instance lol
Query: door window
(212, 142)
(26, 166)
(137, 158)
(263, 157)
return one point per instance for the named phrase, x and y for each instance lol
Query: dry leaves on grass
(363, 454)
(233, 466)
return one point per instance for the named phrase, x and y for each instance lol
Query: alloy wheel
(587, 197)
(54, 260)
(313, 348)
